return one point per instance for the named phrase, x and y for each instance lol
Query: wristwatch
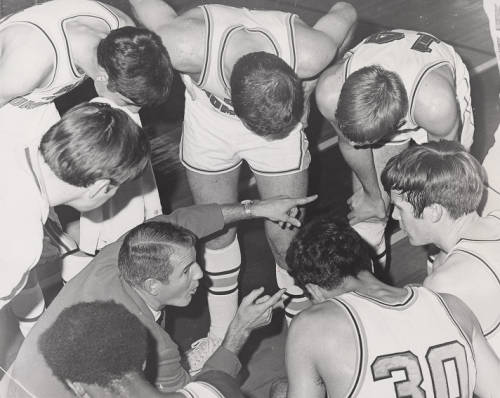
(247, 206)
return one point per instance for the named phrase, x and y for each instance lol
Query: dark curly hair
(325, 251)
(95, 343)
(266, 95)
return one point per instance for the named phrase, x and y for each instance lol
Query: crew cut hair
(138, 65)
(266, 95)
(371, 105)
(95, 141)
(325, 251)
(97, 343)
(147, 249)
(440, 172)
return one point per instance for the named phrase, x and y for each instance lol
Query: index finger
(306, 200)
(273, 300)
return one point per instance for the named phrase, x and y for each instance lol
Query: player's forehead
(399, 199)
(182, 257)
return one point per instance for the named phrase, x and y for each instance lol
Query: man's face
(416, 228)
(183, 281)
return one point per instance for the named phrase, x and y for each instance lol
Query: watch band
(247, 206)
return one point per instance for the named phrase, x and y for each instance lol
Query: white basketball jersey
(221, 23)
(485, 247)
(50, 20)
(413, 348)
(25, 119)
(412, 55)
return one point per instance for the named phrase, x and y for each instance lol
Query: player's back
(412, 348)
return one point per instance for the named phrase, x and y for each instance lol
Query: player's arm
(303, 377)
(487, 363)
(153, 14)
(320, 338)
(22, 69)
(436, 108)
(330, 36)
(367, 203)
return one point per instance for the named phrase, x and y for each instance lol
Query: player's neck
(451, 230)
(367, 283)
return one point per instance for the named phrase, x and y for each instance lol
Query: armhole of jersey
(347, 65)
(72, 65)
(452, 318)
(423, 73)
(208, 48)
(497, 325)
(117, 19)
(361, 347)
(56, 55)
(290, 27)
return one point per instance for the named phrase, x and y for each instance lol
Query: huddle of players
(250, 74)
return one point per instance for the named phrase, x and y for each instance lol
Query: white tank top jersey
(412, 55)
(486, 249)
(50, 19)
(221, 23)
(408, 360)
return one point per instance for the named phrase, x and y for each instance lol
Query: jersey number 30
(422, 44)
(437, 358)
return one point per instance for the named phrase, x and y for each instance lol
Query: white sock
(73, 263)
(222, 267)
(373, 233)
(29, 304)
(295, 299)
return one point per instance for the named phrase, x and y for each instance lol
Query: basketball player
(243, 72)
(84, 349)
(395, 86)
(45, 51)
(364, 338)
(436, 190)
(491, 162)
(60, 171)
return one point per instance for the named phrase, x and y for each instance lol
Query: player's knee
(223, 240)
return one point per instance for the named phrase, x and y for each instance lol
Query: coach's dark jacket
(100, 281)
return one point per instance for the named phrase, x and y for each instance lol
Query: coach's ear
(316, 292)
(100, 187)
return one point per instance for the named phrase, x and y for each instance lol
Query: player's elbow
(346, 11)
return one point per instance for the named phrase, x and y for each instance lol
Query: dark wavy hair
(266, 95)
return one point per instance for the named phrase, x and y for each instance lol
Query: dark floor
(458, 22)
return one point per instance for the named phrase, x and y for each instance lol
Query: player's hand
(254, 312)
(365, 208)
(282, 209)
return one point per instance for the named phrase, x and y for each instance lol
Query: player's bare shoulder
(315, 50)
(26, 52)
(185, 41)
(328, 90)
